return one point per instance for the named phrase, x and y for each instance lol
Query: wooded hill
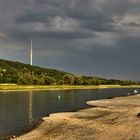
(25, 74)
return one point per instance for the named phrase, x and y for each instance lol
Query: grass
(59, 87)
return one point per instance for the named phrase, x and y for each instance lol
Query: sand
(109, 119)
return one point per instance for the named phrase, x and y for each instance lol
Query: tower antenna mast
(31, 53)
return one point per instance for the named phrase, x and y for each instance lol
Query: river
(21, 110)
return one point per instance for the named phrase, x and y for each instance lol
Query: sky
(85, 37)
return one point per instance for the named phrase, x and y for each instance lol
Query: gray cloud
(91, 37)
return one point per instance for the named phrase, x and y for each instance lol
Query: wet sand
(108, 119)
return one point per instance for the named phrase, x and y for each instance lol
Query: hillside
(13, 72)
(20, 73)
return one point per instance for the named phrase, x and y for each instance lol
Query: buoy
(135, 91)
(59, 97)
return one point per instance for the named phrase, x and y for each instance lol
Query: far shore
(15, 87)
(108, 119)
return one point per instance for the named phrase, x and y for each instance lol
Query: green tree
(78, 80)
(95, 81)
(25, 78)
(49, 80)
(68, 79)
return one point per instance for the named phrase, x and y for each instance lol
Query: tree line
(24, 74)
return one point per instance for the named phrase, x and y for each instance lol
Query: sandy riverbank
(109, 119)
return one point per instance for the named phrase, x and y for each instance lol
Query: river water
(21, 110)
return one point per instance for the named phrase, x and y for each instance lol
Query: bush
(67, 79)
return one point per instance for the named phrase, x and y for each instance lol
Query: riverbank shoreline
(14, 87)
(113, 119)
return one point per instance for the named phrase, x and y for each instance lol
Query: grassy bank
(59, 87)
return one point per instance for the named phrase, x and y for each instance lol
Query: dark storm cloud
(133, 24)
(93, 37)
(32, 17)
(24, 34)
(84, 12)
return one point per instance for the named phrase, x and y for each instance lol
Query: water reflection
(3, 105)
(30, 107)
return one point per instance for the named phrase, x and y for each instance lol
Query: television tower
(31, 54)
